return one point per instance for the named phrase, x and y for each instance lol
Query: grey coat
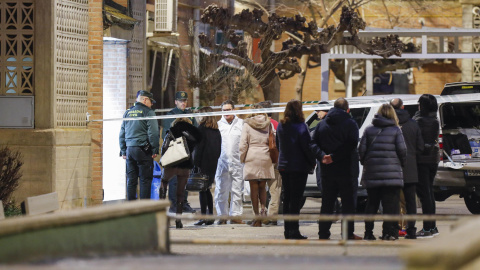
(382, 153)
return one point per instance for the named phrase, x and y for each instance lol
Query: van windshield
(460, 115)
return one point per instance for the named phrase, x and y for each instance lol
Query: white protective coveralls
(229, 175)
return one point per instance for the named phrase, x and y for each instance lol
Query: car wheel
(472, 201)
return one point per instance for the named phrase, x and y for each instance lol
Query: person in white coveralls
(229, 175)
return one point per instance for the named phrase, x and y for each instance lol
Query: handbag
(197, 181)
(177, 152)
(272, 146)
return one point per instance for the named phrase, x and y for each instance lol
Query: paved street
(264, 256)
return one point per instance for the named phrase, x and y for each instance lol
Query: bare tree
(284, 63)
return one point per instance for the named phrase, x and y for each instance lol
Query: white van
(459, 116)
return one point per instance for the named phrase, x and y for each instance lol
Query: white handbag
(176, 153)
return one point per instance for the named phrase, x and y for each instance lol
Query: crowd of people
(399, 155)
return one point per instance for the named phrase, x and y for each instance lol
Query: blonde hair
(208, 121)
(181, 119)
(387, 111)
(256, 106)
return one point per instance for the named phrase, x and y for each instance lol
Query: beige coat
(254, 149)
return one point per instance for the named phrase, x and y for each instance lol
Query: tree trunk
(301, 77)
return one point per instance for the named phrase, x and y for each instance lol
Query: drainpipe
(196, 53)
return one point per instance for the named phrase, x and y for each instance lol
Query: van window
(359, 115)
(460, 115)
(412, 109)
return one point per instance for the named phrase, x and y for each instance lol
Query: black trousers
(293, 184)
(139, 165)
(426, 175)
(206, 199)
(332, 188)
(409, 191)
(390, 198)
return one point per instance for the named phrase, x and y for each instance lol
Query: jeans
(293, 184)
(139, 165)
(426, 175)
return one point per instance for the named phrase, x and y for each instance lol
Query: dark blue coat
(382, 153)
(336, 136)
(293, 144)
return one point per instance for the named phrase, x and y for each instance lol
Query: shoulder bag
(177, 152)
(197, 181)
(272, 147)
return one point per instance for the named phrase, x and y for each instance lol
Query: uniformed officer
(139, 145)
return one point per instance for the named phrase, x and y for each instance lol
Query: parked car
(459, 116)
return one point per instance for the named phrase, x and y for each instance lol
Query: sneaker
(187, 208)
(424, 234)
(369, 236)
(172, 209)
(434, 231)
(402, 233)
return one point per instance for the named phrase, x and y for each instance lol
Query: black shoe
(387, 237)
(424, 234)
(297, 235)
(178, 224)
(410, 236)
(187, 208)
(200, 222)
(434, 231)
(369, 236)
(209, 222)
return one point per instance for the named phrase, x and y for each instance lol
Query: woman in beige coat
(256, 157)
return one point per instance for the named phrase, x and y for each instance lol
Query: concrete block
(447, 251)
(42, 204)
(131, 227)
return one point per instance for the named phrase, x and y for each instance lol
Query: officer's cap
(181, 95)
(147, 94)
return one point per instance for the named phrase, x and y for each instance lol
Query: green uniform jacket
(166, 123)
(141, 132)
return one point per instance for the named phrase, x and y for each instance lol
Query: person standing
(229, 174)
(139, 145)
(181, 100)
(383, 154)
(334, 143)
(274, 185)
(254, 153)
(295, 161)
(414, 142)
(427, 165)
(181, 127)
(206, 157)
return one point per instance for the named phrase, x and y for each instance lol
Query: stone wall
(54, 160)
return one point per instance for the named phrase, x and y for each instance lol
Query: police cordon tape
(356, 102)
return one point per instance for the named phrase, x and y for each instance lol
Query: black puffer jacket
(414, 141)
(382, 153)
(191, 133)
(430, 128)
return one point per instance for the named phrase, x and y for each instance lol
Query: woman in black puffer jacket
(427, 162)
(180, 127)
(383, 154)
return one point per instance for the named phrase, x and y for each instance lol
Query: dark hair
(293, 112)
(322, 103)
(396, 103)
(208, 121)
(341, 103)
(428, 104)
(229, 101)
(266, 104)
